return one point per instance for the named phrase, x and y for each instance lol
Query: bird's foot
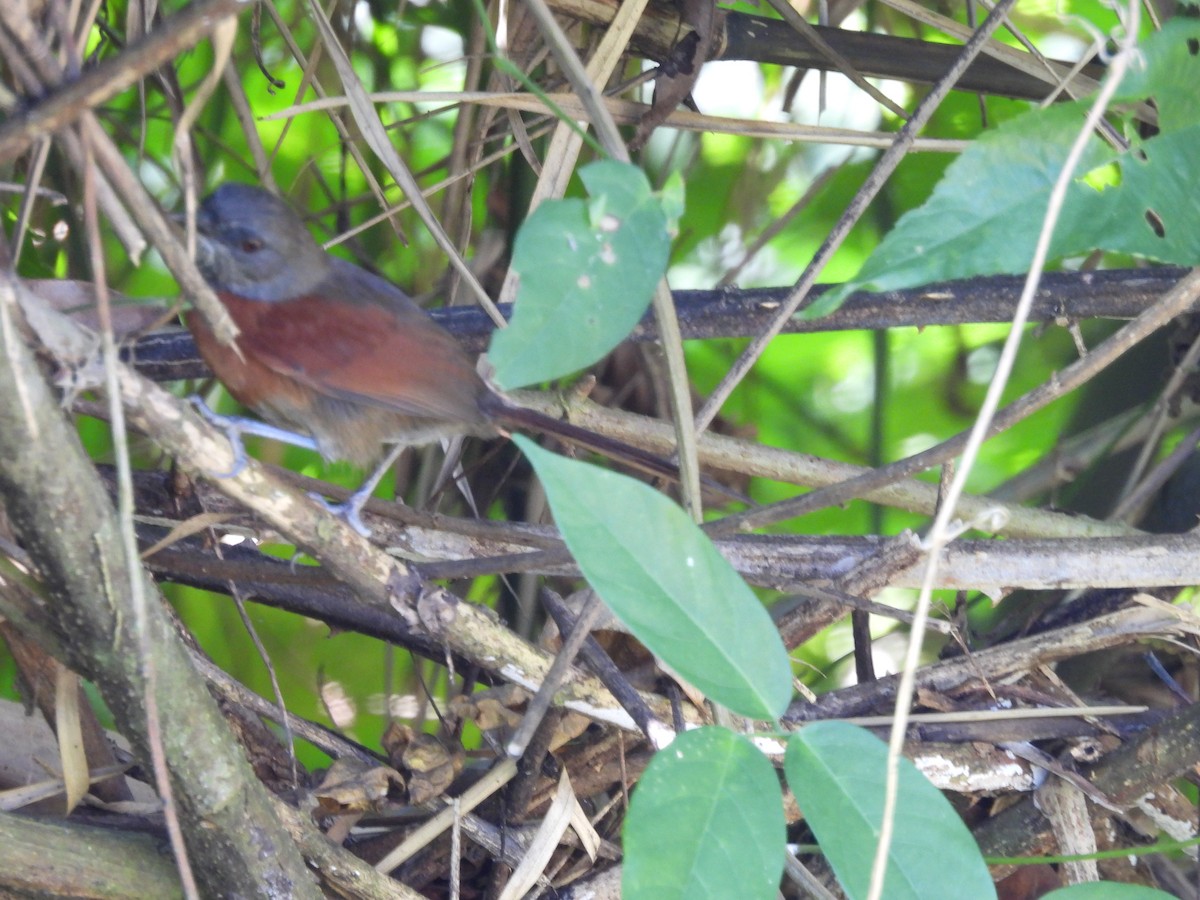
(350, 511)
(234, 427)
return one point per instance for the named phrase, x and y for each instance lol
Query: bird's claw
(232, 427)
(349, 512)
(236, 426)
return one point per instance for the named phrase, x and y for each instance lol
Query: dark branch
(767, 40)
(732, 312)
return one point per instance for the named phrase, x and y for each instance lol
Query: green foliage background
(816, 394)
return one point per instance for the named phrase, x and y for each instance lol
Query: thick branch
(451, 549)
(40, 859)
(64, 518)
(994, 663)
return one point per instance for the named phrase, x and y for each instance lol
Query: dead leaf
(558, 818)
(352, 787)
(68, 727)
(185, 529)
(493, 709)
(678, 73)
(431, 768)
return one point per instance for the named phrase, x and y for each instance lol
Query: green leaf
(588, 271)
(1106, 890)
(1169, 75)
(705, 821)
(661, 576)
(983, 218)
(837, 772)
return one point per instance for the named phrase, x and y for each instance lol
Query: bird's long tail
(508, 414)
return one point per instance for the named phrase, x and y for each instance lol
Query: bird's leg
(236, 426)
(351, 509)
(452, 470)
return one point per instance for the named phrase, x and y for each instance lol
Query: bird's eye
(251, 245)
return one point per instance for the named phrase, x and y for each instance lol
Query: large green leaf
(705, 821)
(984, 216)
(588, 271)
(837, 772)
(662, 576)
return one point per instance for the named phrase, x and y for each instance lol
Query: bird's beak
(204, 246)
(203, 220)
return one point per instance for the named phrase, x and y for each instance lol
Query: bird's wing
(362, 348)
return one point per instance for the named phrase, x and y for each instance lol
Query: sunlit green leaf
(662, 576)
(706, 821)
(985, 215)
(588, 270)
(837, 772)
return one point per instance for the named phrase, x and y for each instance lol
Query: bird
(328, 349)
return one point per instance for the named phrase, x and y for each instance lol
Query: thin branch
(146, 658)
(942, 533)
(1178, 301)
(111, 77)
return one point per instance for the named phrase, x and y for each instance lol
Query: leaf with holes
(588, 270)
(984, 216)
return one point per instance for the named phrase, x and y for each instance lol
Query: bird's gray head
(253, 244)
